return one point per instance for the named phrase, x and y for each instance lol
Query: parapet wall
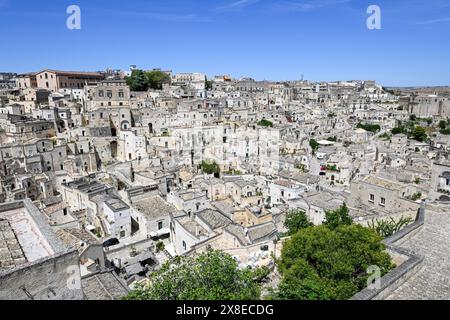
(53, 278)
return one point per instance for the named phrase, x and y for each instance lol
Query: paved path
(433, 243)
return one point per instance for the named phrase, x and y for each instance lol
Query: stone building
(54, 80)
(107, 93)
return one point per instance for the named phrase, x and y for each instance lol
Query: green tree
(208, 84)
(442, 124)
(265, 123)
(137, 81)
(319, 263)
(369, 127)
(296, 220)
(210, 168)
(338, 217)
(419, 133)
(413, 117)
(385, 136)
(398, 130)
(314, 145)
(156, 79)
(212, 275)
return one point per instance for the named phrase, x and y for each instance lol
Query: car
(111, 242)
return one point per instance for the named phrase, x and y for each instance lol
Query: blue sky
(265, 39)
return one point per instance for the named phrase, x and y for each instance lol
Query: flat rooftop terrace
(25, 235)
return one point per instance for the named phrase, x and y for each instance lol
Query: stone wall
(53, 278)
(411, 262)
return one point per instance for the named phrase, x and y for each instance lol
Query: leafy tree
(322, 263)
(208, 84)
(160, 246)
(260, 274)
(296, 220)
(314, 145)
(399, 130)
(142, 81)
(419, 133)
(210, 168)
(413, 117)
(137, 81)
(265, 123)
(156, 79)
(369, 127)
(336, 218)
(385, 136)
(443, 124)
(212, 275)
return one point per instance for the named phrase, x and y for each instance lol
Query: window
(184, 245)
(160, 225)
(121, 95)
(372, 198)
(382, 202)
(100, 93)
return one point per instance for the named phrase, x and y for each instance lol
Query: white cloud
(434, 21)
(305, 6)
(236, 5)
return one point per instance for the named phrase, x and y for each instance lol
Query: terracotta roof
(79, 73)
